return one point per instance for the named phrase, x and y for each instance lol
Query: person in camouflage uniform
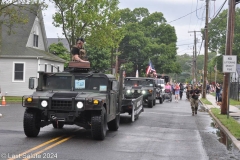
(194, 95)
(188, 89)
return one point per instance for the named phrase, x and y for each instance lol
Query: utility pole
(116, 64)
(195, 55)
(228, 51)
(205, 53)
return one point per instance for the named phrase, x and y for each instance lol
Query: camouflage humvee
(89, 100)
(136, 86)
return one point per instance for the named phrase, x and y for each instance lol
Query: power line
(185, 15)
(184, 44)
(220, 9)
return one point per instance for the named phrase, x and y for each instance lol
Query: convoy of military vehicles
(90, 100)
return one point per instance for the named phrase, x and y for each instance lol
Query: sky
(181, 14)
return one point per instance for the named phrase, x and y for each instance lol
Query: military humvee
(73, 97)
(137, 86)
(131, 104)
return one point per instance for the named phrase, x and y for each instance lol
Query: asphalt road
(167, 131)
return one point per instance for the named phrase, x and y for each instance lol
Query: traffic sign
(229, 63)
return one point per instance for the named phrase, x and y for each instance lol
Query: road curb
(225, 130)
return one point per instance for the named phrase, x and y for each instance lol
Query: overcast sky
(176, 12)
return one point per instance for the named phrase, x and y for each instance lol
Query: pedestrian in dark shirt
(218, 90)
(181, 90)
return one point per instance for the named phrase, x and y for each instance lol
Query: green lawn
(205, 101)
(231, 124)
(12, 99)
(232, 101)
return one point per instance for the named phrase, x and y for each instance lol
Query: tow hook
(55, 119)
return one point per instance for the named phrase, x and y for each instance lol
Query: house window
(35, 40)
(18, 72)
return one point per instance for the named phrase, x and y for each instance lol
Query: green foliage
(234, 102)
(217, 35)
(147, 36)
(92, 19)
(12, 99)
(231, 124)
(59, 50)
(205, 101)
(99, 58)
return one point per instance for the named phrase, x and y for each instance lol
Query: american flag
(215, 68)
(150, 67)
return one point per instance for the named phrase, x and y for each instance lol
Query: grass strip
(12, 99)
(230, 123)
(205, 101)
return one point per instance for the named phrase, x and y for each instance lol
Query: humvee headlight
(44, 103)
(139, 91)
(143, 92)
(79, 105)
(29, 99)
(132, 90)
(95, 102)
(128, 91)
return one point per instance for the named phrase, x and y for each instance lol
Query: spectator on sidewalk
(219, 102)
(208, 88)
(218, 90)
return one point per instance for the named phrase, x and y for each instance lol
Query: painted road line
(49, 147)
(39, 146)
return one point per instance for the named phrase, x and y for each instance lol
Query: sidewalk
(233, 112)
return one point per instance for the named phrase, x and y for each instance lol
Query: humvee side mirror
(31, 83)
(115, 85)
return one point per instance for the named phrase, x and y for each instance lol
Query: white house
(235, 76)
(23, 54)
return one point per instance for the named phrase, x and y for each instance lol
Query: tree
(59, 50)
(148, 37)
(217, 35)
(92, 19)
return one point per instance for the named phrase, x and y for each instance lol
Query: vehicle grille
(64, 95)
(61, 105)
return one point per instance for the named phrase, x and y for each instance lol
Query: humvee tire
(99, 125)
(113, 125)
(150, 103)
(31, 123)
(59, 125)
(154, 102)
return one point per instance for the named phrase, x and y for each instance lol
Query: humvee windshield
(57, 82)
(91, 83)
(81, 83)
(138, 82)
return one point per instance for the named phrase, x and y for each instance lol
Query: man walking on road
(194, 95)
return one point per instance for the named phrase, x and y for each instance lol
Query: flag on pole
(150, 67)
(215, 68)
(137, 73)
